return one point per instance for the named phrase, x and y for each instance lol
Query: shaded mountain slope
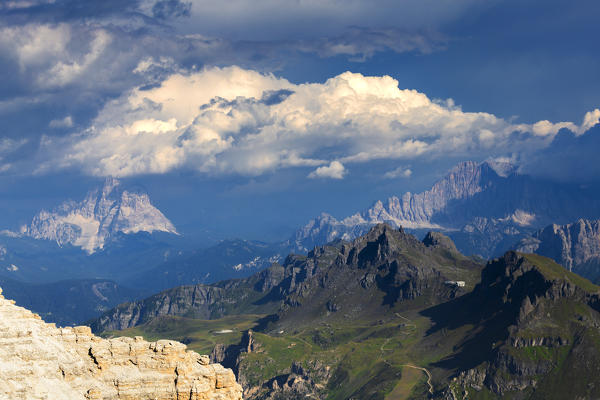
(44, 261)
(68, 302)
(228, 259)
(521, 333)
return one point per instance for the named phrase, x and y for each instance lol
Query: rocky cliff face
(40, 361)
(576, 246)
(193, 301)
(103, 213)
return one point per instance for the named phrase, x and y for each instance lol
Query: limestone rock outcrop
(40, 361)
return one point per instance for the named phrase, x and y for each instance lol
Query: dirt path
(426, 372)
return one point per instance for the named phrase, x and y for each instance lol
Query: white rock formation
(40, 361)
(102, 214)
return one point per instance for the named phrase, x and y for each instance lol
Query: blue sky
(249, 117)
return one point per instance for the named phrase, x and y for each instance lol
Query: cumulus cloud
(236, 121)
(335, 170)
(400, 172)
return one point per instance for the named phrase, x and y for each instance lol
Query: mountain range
(69, 302)
(116, 234)
(484, 207)
(294, 282)
(387, 315)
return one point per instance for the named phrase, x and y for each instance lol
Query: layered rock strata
(40, 361)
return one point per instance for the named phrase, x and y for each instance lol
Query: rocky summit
(40, 361)
(103, 213)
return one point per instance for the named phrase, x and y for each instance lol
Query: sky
(246, 118)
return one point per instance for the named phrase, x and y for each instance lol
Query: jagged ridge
(375, 272)
(533, 319)
(484, 207)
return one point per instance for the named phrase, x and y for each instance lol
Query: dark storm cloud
(569, 158)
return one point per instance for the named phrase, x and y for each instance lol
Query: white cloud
(232, 120)
(591, 119)
(335, 170)
(8, 145)
(20, 4)
(400, 172)
(66, 122)
(545, 127)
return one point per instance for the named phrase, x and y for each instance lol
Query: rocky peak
(40, 361)
(516, 275)
(381, 233)
(528, 310)
(412, 211)
(103, 213)
(437, 239)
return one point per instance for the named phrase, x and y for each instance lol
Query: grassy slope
(552, 270)
(367, 361)
(200, 335)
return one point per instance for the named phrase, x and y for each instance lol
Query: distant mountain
(44, 261)
(68, 302)
(484, 207)
(104, 213)
(114, 232)
(228, 259)
(575, 246)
